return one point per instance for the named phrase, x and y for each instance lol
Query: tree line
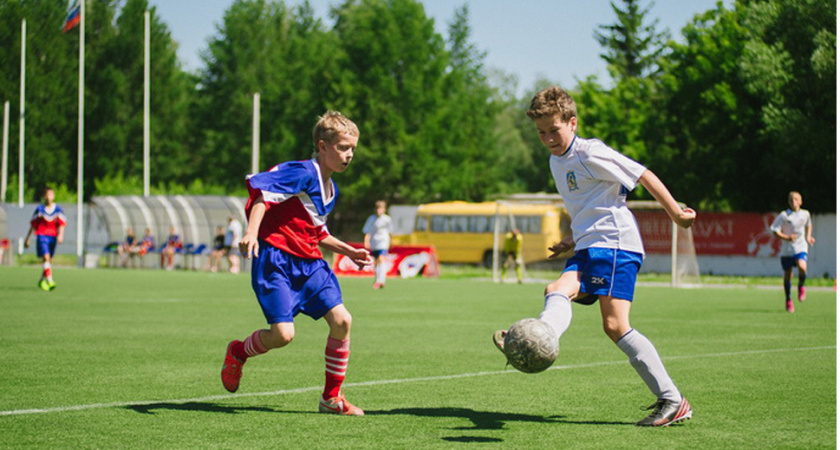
(732, 116)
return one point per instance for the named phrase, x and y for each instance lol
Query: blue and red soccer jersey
(296, 207)
(45, 222)
(290, 276)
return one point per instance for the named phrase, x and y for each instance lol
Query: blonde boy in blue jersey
(594, 180)
(793, 226)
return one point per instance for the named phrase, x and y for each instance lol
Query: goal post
(663, 237)
(503, 222)
(685, 271)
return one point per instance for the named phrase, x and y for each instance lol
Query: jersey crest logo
(571, 181)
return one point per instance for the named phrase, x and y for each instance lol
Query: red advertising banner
(404, 261)
(714, 233)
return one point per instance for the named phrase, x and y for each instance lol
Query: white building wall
(822, 257)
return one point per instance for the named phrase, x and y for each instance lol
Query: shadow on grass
(197, 406)
(589, 422)
(472, 439)
(482, 420)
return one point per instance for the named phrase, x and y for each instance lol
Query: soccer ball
(531, 346)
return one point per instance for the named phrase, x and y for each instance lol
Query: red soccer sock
(251, 346)
(47, 271)
(336, 356)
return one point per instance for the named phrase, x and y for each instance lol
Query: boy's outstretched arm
(250, 244)
(28, 235)
(682, 217)
(360, 256)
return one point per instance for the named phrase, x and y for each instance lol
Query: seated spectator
(167, 256)
(232, 237)
(148, 243)
(218, 251)
(128, 248)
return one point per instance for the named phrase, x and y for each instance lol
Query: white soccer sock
(48, 271)
(380, 273)
(646, 361)
(557, 312)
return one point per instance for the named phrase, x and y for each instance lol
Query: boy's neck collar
(574, 138)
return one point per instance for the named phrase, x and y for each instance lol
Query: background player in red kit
(48, 224)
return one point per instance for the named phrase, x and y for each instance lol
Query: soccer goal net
(668, 246)
(537, 220)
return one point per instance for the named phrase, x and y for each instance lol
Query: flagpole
(5, 163)
(255, 135)
(146, 107)
(80, 205)
(22, 109)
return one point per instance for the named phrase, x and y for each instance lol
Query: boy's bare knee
(569, 289)
(278, 337)
(343, 322)
(614, 329)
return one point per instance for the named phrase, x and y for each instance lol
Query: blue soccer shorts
(378, 252)
(789, 262)
(606, 271)
(45, 245)
(287, 285)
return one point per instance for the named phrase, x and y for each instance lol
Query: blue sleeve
(282, 182)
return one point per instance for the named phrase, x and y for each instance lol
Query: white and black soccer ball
(531, 345)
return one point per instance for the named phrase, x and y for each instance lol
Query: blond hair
(329, 126)
(552, 101)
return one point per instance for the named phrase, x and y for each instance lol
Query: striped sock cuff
(253, 344)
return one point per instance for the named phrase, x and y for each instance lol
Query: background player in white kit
(793, 226)
(594, 180)
(377, 232)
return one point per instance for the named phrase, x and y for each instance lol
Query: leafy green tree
(632, 48)
(789, 63)
(750, 110)
(113, 92)
(51, 90)
(286, 55)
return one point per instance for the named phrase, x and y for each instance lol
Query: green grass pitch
(130, 359)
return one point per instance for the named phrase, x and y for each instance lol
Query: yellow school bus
(463, 232)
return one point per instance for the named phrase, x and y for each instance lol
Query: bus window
(458, 224)
(529, 224)
(439, 224)
(422, 223)
(481, 224)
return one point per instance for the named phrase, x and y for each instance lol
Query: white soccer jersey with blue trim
(594, 180)
(790, 221)
(379, 229)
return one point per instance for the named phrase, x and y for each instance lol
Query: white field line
(18, 412)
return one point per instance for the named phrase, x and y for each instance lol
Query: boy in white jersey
(377, 232)
(793, 226)
(594, 180)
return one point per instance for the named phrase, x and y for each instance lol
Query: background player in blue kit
(48, 222)
(377, 230)
(287, 211)
(794, 227)
(594, 180)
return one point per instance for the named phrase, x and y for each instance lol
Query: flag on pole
(73, 18)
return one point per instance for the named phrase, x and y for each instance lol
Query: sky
(532, 39)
